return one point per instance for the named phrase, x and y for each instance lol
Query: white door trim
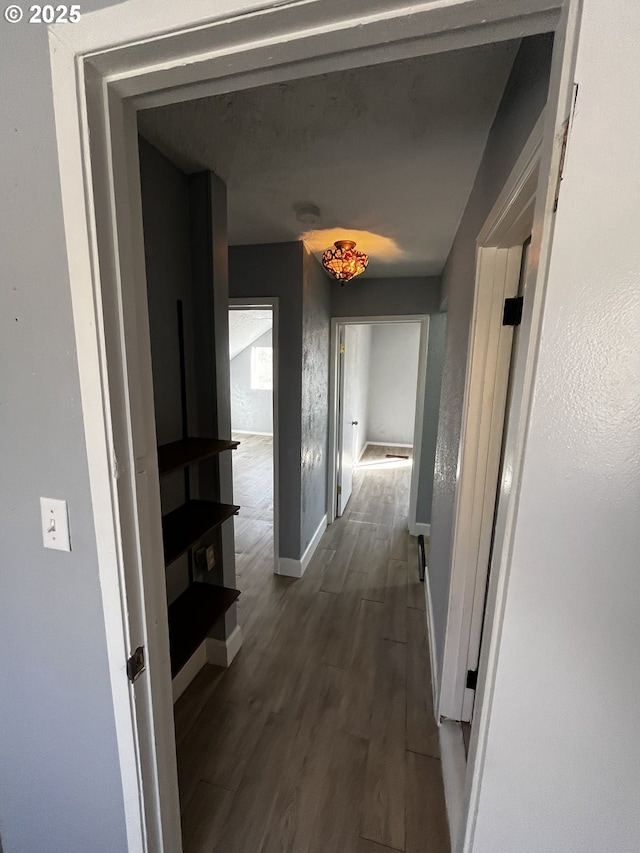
(498, 255)
(337, 324)
(113, 62)
(273, 303)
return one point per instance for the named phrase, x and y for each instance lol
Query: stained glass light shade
(343, 261)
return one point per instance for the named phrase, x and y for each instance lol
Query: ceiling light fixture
(343, 261)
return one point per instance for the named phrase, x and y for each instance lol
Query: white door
(347, 419)
(502, 397)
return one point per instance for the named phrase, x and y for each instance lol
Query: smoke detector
(307, 213)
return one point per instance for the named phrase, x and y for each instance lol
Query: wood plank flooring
(320, 737)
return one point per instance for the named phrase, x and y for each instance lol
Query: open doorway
(379, 370)
(253, 382)
(125, 328)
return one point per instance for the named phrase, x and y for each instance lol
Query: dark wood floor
(320, 737)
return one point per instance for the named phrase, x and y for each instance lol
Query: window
(262, 368)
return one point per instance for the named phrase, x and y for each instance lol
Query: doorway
(253, 386)
(512, 315)
(101, 201)
(378, 373)
(501, 274)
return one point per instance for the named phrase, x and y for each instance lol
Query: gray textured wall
(316, 327)
(277, 270)
(60, 784)
(210, 289)
(165, 210)
(523, 100)
(433, 382)
(378, 297)
(251, 408)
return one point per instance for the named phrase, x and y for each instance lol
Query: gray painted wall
(251, 408)
(277, 270)
(433, 382)
(393, 380)
(60, 784)
(378, 297)
(523, 100)
(314, 412)
(165, 210)
(210, 278)
(287, 271)
(185, 250)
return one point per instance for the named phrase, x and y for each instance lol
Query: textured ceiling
(246, 325)
(387, 153)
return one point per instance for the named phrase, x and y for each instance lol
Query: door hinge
(512, 314)
(135, 664)
(341, 349)
(339, 490)
(472, 679)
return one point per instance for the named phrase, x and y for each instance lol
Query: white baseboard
(251, 432)
(216, 652)
(296, 568)
(222, 652)
(454, 773)
(419, 528)
(435, 681)
(387, 444)
(189, 671)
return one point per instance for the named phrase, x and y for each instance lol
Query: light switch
(55, 524)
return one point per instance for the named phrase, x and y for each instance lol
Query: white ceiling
(388, 153)
(245, 327)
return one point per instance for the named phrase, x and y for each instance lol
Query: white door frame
(334, 510)
(143, 53)
(498, 257)
(338, 323)
(273, 304)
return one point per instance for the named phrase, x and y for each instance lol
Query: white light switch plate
(55, 524)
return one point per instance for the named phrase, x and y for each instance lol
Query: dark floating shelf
(191, 617)
(190, 522)
(178, 454)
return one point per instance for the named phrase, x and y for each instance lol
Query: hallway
(320, 737)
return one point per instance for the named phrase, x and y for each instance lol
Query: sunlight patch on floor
(385, 464)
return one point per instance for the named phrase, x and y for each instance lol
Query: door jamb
(487, 370)
(273, 304)
(111, 63)
(337, 323)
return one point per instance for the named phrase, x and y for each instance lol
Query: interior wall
(276, 270)
(60, 786)
(360, 375)
(393, 381)
(563, 737)
(316, 330)
(210, 289)
(287, 271)
(251, 408)
(381, 297)
(523, 100)
(433, 383)
(165, 211)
